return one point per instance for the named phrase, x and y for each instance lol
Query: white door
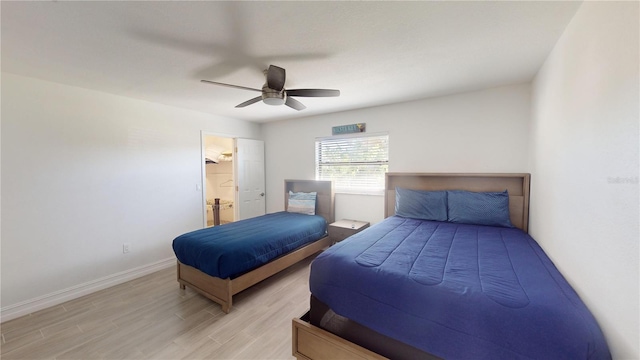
(250, 180)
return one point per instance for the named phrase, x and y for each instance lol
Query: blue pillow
(418, 204)
(479, 208)
(303, 203)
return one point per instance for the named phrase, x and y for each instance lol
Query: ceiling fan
(274, 93)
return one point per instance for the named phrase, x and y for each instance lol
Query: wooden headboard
(324, 200)
(516, 184)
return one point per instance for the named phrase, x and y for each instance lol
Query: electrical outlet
(126, 247)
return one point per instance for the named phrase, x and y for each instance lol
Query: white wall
(481, 131)
(84, 172)
(584, 164)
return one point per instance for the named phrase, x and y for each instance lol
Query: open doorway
(220, 183)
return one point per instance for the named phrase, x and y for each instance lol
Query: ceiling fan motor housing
(273, 97)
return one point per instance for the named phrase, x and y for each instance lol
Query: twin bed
(453, 275)
(221, 261)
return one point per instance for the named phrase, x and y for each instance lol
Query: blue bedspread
(457, 291)
(229, 250)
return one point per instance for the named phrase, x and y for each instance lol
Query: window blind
(356, 164)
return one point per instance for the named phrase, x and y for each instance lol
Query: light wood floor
(151, 318)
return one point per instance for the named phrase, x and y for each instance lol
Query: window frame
(353, 190)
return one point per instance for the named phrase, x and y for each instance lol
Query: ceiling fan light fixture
(273, 98)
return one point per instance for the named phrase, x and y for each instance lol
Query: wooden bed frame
(312, 342)
(222, 290)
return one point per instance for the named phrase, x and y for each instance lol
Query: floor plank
(151, 318)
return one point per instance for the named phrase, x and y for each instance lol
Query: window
(356, 164)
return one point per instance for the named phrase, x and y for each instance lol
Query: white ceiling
(375, 53)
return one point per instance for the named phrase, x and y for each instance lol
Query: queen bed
(221, 261)
(453, 274)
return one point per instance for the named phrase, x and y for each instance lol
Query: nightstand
(342, 229)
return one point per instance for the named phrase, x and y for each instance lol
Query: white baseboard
(42, 302)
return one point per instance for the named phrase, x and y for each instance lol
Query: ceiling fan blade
(229, 85)
(294, 104)
(275, 77)
(249, 102)
(313, 92)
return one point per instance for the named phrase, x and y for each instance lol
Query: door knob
(261, 194)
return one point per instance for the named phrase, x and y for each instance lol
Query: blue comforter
(457, 291)
(229, 250)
